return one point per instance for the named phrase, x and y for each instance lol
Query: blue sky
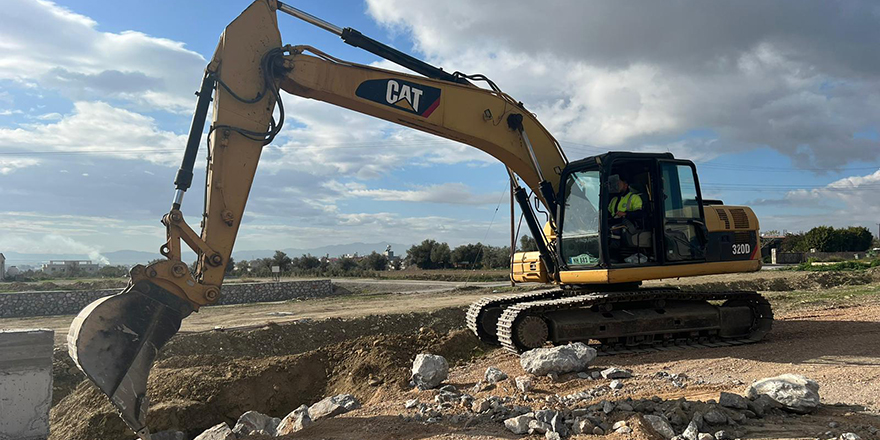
(95, 102)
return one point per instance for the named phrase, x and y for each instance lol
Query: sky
(777, 102)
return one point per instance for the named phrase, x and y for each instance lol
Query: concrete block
(25, 383)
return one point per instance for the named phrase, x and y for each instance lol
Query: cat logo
(403, 95)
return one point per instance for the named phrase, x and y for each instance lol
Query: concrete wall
(21, 304)
(25, 383)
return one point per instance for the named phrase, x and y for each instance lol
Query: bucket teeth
(115, 340)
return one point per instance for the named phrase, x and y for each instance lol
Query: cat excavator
(595, 261)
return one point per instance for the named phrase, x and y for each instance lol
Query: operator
(625, 209)
(627, 203)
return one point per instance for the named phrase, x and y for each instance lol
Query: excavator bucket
(115, 340)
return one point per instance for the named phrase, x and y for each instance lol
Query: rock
(607, 407)
(299, 418)
(168, 435)
(561, 359)
(762, 404)
(715, 417)
(411, 403)
(429, 370)
(724, 435)
(537, 426)
(551, 435)
(795, 393)
(849, 436)
(449, 389)
(523, 384)
(731, 400)
(623, 406)
(494, 375)
(217, 432)
(333, 406)
(583, 375)
(833, 425)
(481, 406)
(253, 422)
(557, 424)
(616, 373)
(691, 432)
(598, 431)
(661, 426)
(583, 426)
(705, 436)
(616, 384)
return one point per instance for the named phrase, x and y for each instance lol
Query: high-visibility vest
(627, 203)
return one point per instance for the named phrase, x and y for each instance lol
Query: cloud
(8, 166)
(100, 129)
(643, 76)
(446, 193)
(844, 202)
(46, 45)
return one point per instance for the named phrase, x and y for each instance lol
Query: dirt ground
(274, 357)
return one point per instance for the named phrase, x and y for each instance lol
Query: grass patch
(844, 266)
(835, 296)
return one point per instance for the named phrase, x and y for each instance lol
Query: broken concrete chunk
(518, 424)
(661, 426)
(715, 417)
(411, 403)
(480, 406)
(333, 406)
(616, 373)
(217, 432)
(537, 426)
(705, 436)
(524, 384)
(494, 375)
(253, 422)
(849, 436)
(724, 435)
(616, 384)
(731, 400)
(429, 371)
(552, 435)
(794, 392)
(558, 360)
(297, 420)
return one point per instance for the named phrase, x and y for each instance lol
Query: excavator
(595, 261)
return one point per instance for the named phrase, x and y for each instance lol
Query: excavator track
(637, 321)
(482, 316)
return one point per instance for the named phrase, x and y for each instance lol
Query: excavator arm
(115, 340)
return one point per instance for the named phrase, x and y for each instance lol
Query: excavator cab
(663, 220)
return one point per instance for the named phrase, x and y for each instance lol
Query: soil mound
(194, 392)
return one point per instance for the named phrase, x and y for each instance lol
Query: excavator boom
(115, 340)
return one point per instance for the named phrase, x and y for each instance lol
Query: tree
(820, 238)
(230, 266)
(441, 256)
(468, 255)
(792, 243)
(281, 260)
(420, 254)
(496, 257)
(346, 264)
(307, 262)
(856, 238)
(374, 261)
(243, 267)
(527, 244)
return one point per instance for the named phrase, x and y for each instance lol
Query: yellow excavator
(596, 259)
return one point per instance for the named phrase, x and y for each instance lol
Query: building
(2, 267)
(70, 267)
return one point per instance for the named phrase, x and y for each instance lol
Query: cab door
(684, 227)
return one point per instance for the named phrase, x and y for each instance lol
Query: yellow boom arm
(115, 340)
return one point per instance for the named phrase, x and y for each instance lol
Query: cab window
(580, 227)
(683, 220)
